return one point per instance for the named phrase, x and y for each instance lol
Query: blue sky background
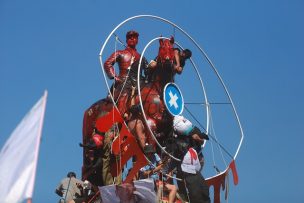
(257, 47)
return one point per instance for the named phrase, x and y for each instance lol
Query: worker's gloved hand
(89, 145)
(59, 192)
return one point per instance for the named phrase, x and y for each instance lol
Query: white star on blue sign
(173, 99)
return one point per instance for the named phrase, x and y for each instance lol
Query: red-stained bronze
(219, 181)
(124, 146)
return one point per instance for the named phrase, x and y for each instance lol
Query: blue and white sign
(173, 99)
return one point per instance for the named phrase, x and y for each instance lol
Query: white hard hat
(182, 126)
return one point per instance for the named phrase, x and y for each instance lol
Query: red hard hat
(98, 140)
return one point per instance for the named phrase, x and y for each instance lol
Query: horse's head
(166, 52)
(163, 72)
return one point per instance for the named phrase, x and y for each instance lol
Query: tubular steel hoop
(202, 52)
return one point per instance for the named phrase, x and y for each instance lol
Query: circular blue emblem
(173, 99)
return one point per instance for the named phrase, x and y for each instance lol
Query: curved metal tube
(202, 52)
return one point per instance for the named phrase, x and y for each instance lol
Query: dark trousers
(198, 190)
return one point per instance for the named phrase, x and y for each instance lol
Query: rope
(211, 136)
(187, 191)
(194, 118)
(162, 178)
(175, 178)
(174, 31)
(119, 95)
(67, 190)
(115, 55)
(119, 40)
(213, 156)
(129, 68)
(203, 103)
(114, 130)
(115, 127)
(212, 127)
(120, 152)
(220, 147)
(123, 86)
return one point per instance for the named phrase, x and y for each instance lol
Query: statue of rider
(128, 60)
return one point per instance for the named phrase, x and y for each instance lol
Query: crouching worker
(152, 171)
(184, 129)
(193, 186)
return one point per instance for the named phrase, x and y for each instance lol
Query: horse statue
(161, 73)
(103, 122)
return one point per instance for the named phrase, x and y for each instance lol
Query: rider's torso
(125, 59)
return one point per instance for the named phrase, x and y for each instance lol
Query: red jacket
(124, 59)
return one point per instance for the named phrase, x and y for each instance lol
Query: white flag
(19, 155)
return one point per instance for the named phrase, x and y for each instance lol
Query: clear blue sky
(257, 47)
